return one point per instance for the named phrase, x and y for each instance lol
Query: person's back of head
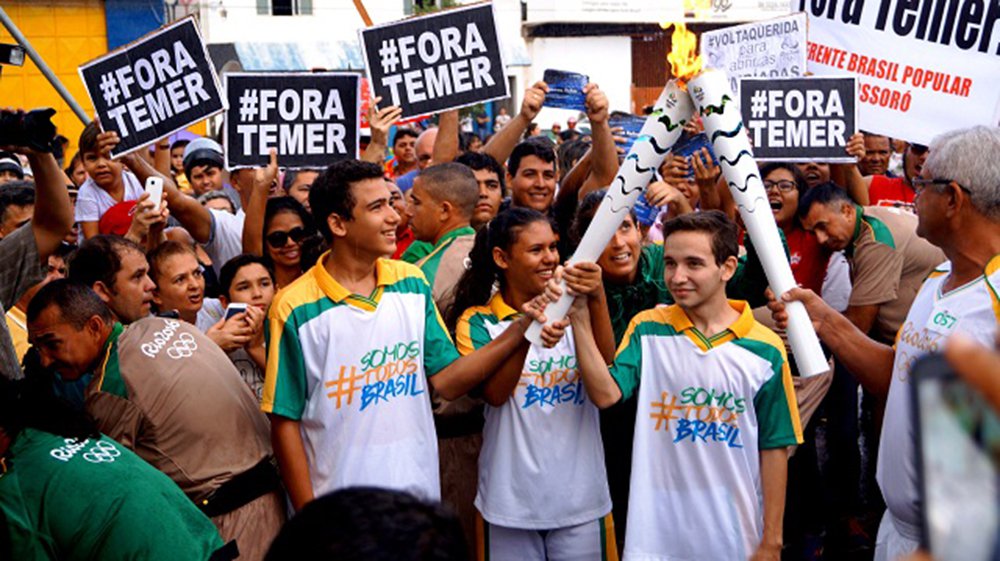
(569, 153)
(370, 524)
(453, 183)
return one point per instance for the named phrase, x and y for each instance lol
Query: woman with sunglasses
(288, 234)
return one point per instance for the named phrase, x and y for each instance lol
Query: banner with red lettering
(923, 67)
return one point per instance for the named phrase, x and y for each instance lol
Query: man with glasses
(958, 210)
(898, 192)
(888, 260)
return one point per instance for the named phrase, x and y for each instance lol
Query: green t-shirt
(68, 500)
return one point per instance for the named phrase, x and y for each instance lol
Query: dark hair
(828, 193)
(569, 135)
(725, 236)
(99, 259)
(179, 144)
(451, 182)
(76, 160)
(32, 403)
(310, 244)
(64, 250)
(16, 193)
(800, 180)
(76, 303)
(540, 148)
(331, 191)
(164, 251)
(477, 161)
(88, 138)
(370, 524)
(585, 212)
(465, 140)
(570, 152)
(476, 284)
(290, 177)
(404, 132)
(228, 272)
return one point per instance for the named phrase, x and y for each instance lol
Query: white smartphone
(154, 186)
(235, 308)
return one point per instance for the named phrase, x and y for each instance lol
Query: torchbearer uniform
(707, 406)
(353, 371)
(543, 491)
(169, 393)
(94, 499)
(973, 310)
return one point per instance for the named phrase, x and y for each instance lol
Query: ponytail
(476, 285)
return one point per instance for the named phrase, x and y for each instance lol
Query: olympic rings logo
(102, 452)
(183, 347)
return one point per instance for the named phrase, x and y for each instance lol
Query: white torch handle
(724, 125)
(659, 133)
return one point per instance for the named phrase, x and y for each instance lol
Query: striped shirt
(352, 369)
(707, 406)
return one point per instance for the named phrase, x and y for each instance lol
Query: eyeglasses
(278, 239)
(784, 185)
(921, 183)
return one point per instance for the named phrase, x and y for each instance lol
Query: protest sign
(800, 119)
(311, 119)
(923, 68)
(433, 63)
(630, 126)
(154, 87)
(768, 49)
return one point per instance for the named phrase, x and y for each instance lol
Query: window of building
(284, 7)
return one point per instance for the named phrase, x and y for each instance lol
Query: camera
(33, 129)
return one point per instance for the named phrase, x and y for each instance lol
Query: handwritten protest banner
(310, 118)
(155, 86)
(774, 48)
(433, 63)
(800, 119)
(923, 67)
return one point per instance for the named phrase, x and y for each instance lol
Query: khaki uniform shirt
(888, 263)
(172, 395)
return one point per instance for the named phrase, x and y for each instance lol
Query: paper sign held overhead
(437, 62)
(800, 119)
(155, 86)
(311, 119)
(767, 49)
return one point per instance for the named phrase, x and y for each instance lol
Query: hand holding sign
(534, 99)
(597, 104)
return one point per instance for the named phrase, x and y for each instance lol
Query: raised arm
(256, 206)
(849, 176)
(446, 142)
(53, 215)
(380, 122)
(189, 212)
(503, 142)
(604, 153)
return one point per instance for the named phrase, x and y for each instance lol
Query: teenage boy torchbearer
(717, 410)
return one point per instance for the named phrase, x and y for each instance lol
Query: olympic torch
(724, 127)
(658, 135)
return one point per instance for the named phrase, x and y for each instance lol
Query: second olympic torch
(660, 132)
(724, 126)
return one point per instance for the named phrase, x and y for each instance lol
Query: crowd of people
(295, 364)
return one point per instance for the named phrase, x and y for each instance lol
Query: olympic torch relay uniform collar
(385, 275)
(113, 383)
(739, 329)
(501, 309)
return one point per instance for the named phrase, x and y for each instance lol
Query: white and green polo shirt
(352, 369)
(542, 462)
(707, 406)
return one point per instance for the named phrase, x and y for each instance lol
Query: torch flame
(685, 62)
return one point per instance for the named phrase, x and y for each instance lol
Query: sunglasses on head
(278, 238)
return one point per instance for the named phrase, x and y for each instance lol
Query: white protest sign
(924, 67)
(768, 49)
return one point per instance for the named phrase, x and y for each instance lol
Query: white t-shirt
(542, 462)
(226, 238)
(972, 310)
(92, 201)
(353, 371)
(707, 407)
